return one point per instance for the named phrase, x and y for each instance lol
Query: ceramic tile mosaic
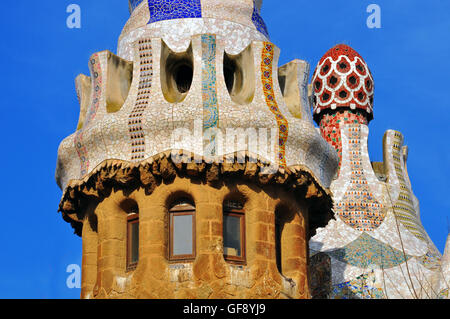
(142, 100)
(258, 21)
(174, 9)
(343, 79)
(209, 87)
(134, 4)
(376, 247)
(267, 83)
(358, 208)
(177, 21)
(97, 87)
(367, 251)
(404, 206)
(330, 127)
(359, 288)
(394, 245)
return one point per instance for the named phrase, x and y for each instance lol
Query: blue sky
(408, 56)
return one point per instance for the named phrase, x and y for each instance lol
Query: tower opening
(183, 74)
(177, 73)
(239, 76)
(229, 71)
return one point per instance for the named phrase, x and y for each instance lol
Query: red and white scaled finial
(342, 79)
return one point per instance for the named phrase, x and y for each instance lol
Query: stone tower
(377, 246)
(195, 170)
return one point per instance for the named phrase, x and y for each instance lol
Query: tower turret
(195, 170)
(377, 236)
(343, 91)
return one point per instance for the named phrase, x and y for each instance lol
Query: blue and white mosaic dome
(237, 22)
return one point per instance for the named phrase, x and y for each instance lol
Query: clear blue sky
(408, 56)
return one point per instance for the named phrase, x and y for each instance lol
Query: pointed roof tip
(447, 247)
(445, 261)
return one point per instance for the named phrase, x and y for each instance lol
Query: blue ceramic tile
(258, 21)
(174, 9)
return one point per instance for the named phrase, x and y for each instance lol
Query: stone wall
(104, 235)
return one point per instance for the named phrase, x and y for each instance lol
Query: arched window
(234, 231)
(182, 230)
(132, 210)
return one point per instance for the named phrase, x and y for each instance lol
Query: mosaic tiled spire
(377, 246)
(343, 93)
(444, 289)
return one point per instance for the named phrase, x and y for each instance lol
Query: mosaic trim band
(209, 91)
(96, 71)
(267, 84)
(82, 153)
(135, 127)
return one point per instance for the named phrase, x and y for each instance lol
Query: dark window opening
(183, 75)
(234, 232)
(229, 71)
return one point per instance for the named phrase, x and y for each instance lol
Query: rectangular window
(132, 241)
(182, 233)
(234, 236)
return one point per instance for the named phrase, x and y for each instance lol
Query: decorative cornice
(164, 167)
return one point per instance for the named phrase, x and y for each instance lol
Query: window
(132, 240)
(182, 231)
(278, 232)
(234, 232)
